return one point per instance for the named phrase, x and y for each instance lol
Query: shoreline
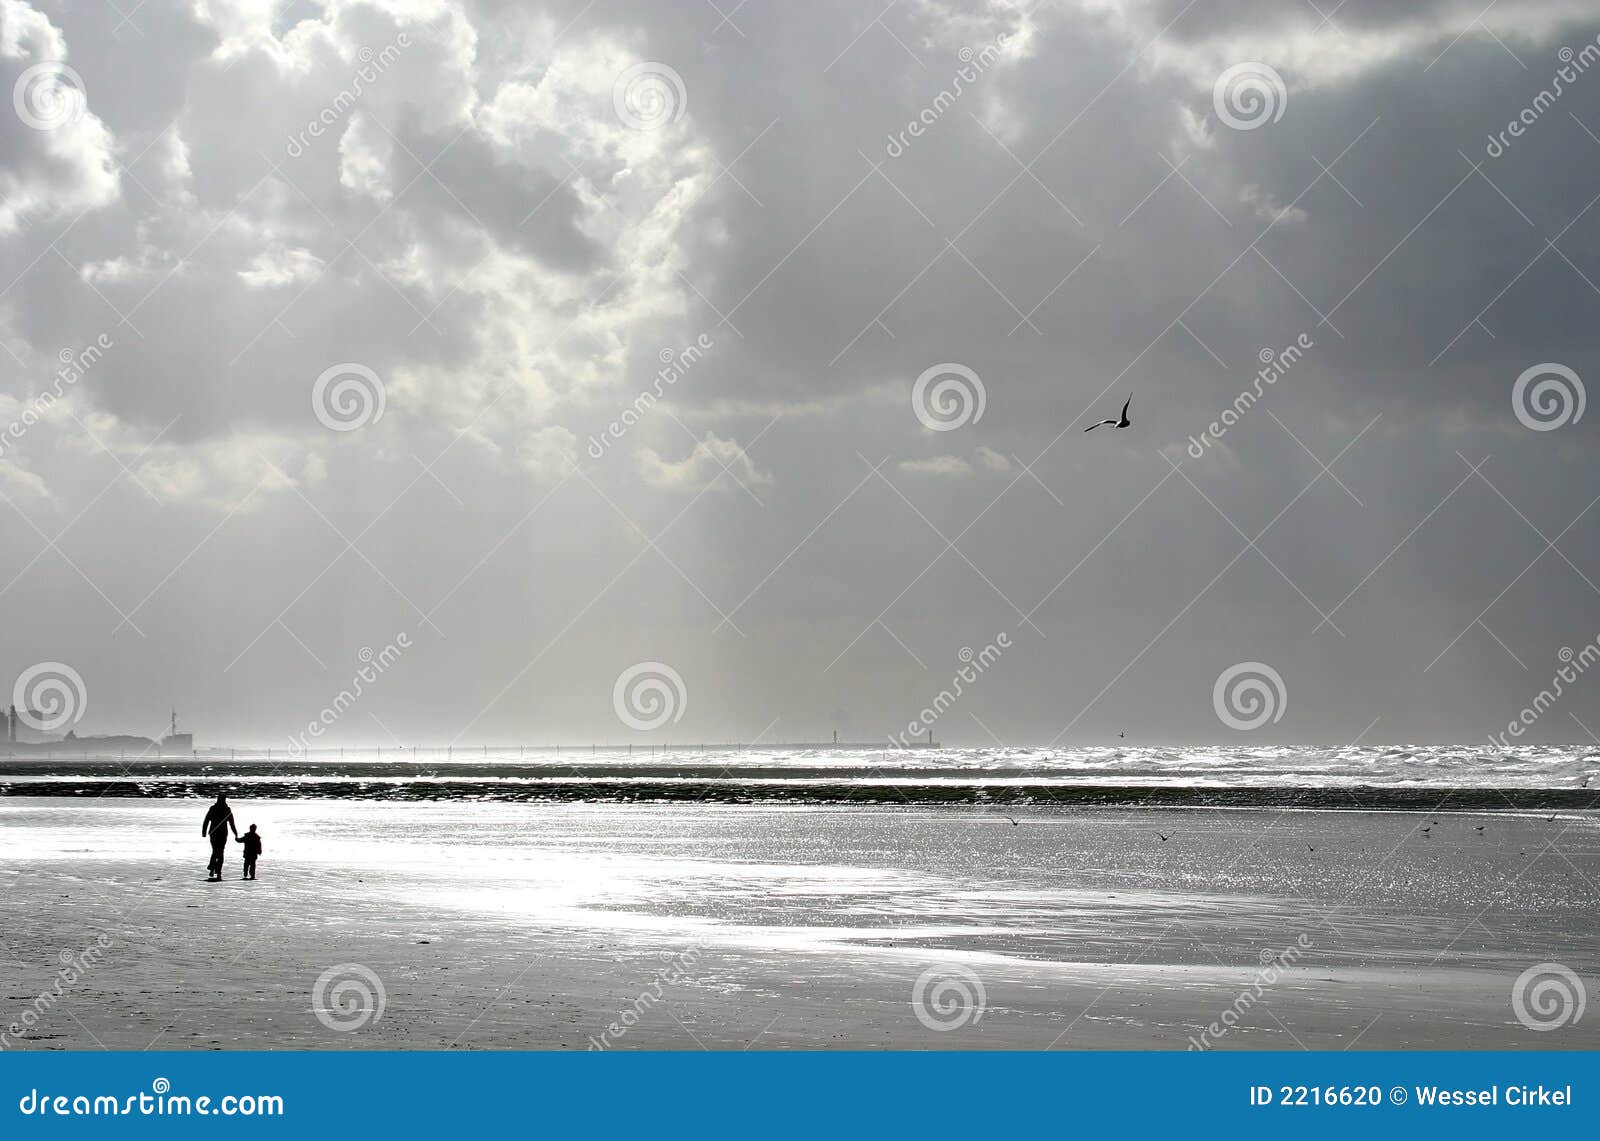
(576, 785)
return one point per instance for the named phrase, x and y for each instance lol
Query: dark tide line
(1386, 798)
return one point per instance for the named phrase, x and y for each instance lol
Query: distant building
(20, 727)
(176, 742)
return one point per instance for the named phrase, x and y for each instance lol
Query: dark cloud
(1073, 222)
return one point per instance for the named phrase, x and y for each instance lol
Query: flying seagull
(1120, 423)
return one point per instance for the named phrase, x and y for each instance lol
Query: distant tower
(11, 725)
(177, 743)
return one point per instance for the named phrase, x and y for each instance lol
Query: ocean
(1398, 775)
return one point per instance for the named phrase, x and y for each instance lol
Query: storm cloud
(840, 291)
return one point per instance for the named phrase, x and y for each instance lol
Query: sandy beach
(567, 926)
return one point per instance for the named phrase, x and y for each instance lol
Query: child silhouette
(252, 848)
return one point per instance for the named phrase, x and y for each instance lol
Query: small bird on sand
(1124, 732)
(1311, 847)
(1428, 829)
(1008, 818)
(1121, 422)
(1163, 838)
(1479, 827)
(1551, 819)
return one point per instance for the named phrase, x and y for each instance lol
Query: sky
(447, 372)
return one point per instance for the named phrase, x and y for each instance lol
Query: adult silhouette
(218, 821)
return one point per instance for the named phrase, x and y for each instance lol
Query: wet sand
(501, 925)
